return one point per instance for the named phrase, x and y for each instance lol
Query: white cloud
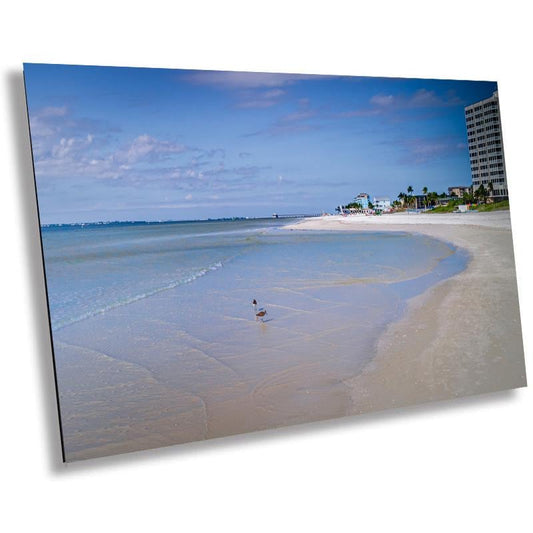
(55, 133)
(64, 150)
(244, 80)
(67, 147)
(51, 111)
(250, 99)
(297, 121)
(381, 104)
(425, 98)
(422, 150)
(147, 147)
(382, 100)
(77, 156)
(253, 89)
(421, 98)
(298, 116)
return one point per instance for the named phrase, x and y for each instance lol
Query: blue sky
(116, 143)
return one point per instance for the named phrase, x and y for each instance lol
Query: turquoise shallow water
(92, 269)
(155, 336)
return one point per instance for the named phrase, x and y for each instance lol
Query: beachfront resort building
(420, 201)
(382, 203)
(458, 190)
(362, 199)
(485, 146)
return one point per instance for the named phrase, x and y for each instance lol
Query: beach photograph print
(228, 252)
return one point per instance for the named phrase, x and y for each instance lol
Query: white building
(382, 203)
(485, 146)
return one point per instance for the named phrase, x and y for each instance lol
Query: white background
(463, 465)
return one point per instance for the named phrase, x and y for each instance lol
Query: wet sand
(145, 376)
(459, 338)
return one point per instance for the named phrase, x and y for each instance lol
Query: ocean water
(93, 268)
(156, 340)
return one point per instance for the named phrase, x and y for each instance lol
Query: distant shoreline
(462, 336)
(148, 222)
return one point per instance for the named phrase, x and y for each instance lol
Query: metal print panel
(228, 252)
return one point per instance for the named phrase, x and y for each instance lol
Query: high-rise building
(485, 146)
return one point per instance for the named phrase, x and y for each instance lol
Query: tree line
(431, 198)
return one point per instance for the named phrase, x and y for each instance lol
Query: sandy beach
(418, 308)
(459, 338)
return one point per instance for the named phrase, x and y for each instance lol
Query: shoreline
(167, 382)
(460, 337)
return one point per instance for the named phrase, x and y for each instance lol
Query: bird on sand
(258, 314)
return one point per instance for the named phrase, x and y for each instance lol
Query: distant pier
(299, 215)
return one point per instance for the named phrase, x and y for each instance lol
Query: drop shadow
(34, 272)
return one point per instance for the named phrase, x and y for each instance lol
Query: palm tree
(490, 188)
(468, 198)
(425, 193)
(481, 193)
(409, 195)
(401, 198)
